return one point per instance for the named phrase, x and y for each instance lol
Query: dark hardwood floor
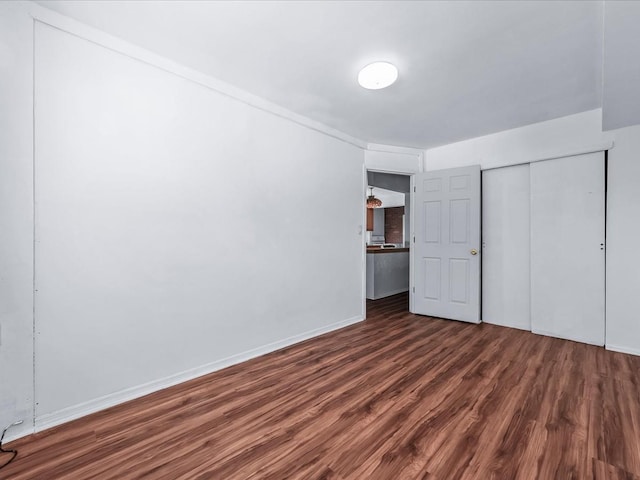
(396, 397)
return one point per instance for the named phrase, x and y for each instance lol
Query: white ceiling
(466, 68)
(389, 198)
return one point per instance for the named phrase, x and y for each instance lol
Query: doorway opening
(388, 236)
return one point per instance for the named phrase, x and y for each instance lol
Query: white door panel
(506, 250)
(446, 260)
(567, 248)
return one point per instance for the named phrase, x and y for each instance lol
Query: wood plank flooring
(397, 397)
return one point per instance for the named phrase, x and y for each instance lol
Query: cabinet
(370, 219)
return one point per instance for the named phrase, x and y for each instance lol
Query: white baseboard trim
(17, 432)
(555, 335)
(617, 348)
(76, 411)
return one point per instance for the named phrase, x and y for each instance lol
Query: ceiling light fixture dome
(377, 75)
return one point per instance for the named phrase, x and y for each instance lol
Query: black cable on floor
(14, 453)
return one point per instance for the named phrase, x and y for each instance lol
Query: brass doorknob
(474, 251)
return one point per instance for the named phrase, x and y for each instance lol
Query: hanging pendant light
(373, 202)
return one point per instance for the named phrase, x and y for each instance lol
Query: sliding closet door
(505, 247)
(567, 248)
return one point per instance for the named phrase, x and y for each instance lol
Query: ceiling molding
(80, 30)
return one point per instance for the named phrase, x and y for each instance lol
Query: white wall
(16, 218)
(381, 158)
(621, 72)
(138, 253)
(145, 274)
(554, 138)
(623, 234)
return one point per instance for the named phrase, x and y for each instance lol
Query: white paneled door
(567, 248)
(446, 248)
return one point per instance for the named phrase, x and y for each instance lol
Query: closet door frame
(498, 293)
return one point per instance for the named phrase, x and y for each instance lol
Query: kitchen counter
(387, 272)
(386, 250)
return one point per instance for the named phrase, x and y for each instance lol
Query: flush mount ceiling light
(377, 75)
(373, 202)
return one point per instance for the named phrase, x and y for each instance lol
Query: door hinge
(414, 188)
(414, 289)
(414, 239)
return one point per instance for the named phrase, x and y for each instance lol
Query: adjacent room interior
(230, 253)
(388, 237)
